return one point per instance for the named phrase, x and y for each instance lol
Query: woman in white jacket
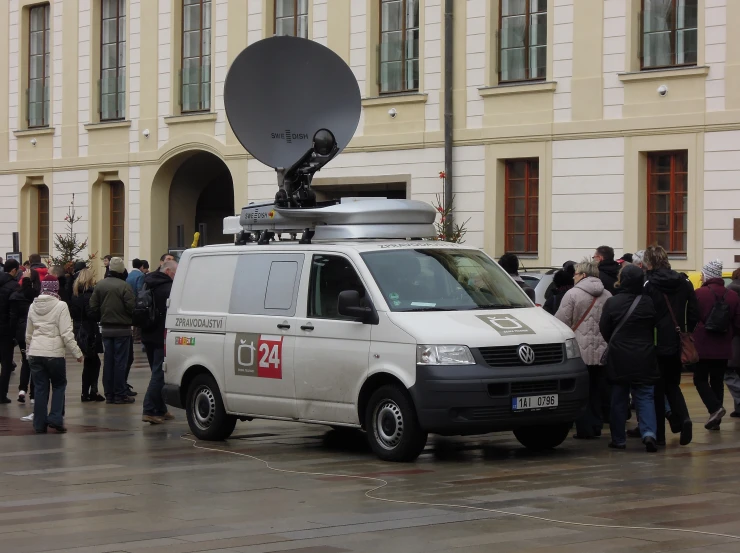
(48, 332)
(581, 309)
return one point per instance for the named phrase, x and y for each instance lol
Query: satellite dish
(281, 91)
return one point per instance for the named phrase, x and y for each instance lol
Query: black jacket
(160, 284)
(682, 296)
(632, 357)
(8, 285)
(553, 302)
(20, 303)
(608, 273)
(87, 332)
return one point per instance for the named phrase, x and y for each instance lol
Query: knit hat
(713, 269)
(116, 265)
(50, 286)
(80, 265)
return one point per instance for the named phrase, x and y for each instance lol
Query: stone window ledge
(395, 99)
(661, 74)
(40, 131)
(107, 125)
(518, 88)
(190, 118)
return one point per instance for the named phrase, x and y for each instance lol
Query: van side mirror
(348, 305)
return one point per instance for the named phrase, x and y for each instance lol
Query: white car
(399, 338)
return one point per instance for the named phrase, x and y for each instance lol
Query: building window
(522, 40)
(291, 18)
(117, 203)
(42, 206)
(522, 205)
(668, 200)
(196, 55)
(669, 33)
(39, 62)
(399, 46)
(113, 60)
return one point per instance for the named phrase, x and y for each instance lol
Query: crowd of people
(639, 325)
(47, 312)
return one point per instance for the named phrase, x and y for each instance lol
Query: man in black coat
(8, 285)
(608, 268)
(160, 283)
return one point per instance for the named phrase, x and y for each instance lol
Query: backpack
(145, 312)
(718, 320)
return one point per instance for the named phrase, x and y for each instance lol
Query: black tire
(205, 410)
(543, 437)
(399, 437)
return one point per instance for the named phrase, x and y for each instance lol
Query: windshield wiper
(497, 306)
(428, 309)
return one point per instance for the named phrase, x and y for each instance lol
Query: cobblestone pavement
(115, 484)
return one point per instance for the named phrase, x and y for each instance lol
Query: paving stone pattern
(114, 484)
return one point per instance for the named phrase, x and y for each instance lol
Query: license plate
(530, 403)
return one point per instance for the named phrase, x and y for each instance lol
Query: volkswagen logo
(526, 354)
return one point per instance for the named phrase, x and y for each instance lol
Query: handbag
(605, 355)
(590, 307)
(689, 355)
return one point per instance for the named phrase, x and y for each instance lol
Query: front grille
(531, 387)
(507, 356)
(483, 414)
(542, 386)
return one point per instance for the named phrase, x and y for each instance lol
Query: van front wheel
(393, 430)
(542, 437)
(205, 410)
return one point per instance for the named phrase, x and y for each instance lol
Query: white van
(399, 338)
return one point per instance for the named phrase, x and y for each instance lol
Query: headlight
(572, 351)
(444, 355)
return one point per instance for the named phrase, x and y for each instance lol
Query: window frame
(120, 109)
(117, 192)
(312, 283)
(42, 223)
(201, 107)
(673, 32)
(295, 18)
(672, 211)
(404, 48)
(527, 46)
(46, 94)
(528, 233)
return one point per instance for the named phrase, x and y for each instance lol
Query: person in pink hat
(49, 332)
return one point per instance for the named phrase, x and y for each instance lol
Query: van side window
(330, 275)
(208, 283)
(266, 284)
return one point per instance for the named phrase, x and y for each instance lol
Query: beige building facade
(577, 123)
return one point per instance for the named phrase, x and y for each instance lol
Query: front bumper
(477, 399)
(171, 393)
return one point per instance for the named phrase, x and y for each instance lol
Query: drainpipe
(448, 110)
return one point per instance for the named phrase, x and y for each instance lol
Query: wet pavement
(115, 484)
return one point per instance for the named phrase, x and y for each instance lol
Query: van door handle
(283, 326)
(307, 326)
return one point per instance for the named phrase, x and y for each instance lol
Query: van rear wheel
(393, 429)
(205, 410)
(544, 436)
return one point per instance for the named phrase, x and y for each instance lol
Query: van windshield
(442, 280)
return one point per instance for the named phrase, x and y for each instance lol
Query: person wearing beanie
(8, 286)
(112, 303)
(563, 280)
(20, 303)
(719, 321)
(49, 333)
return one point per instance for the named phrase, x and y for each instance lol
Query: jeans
(154, 399)
(90, 374)
(669, 387)
(709, 376)
(115, 359)
(45, 370)
(590, 423)
(644, 404)
(732, 380)
(26, 382)
(6, 363)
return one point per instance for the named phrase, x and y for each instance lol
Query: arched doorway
(201, 194)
